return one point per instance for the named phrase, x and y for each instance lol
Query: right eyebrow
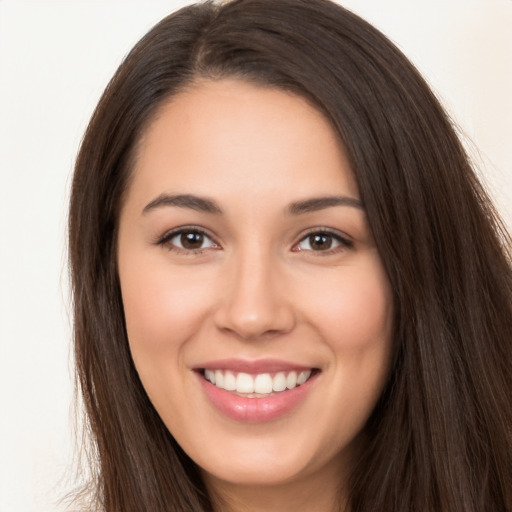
(200, 204)
(321, 203)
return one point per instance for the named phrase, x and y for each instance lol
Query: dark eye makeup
(323, 240)
(187, 240)
(195, 240)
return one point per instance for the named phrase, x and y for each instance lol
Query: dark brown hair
(440, 436)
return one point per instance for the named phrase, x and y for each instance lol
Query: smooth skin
(221, 254)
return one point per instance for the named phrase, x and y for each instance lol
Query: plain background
(55, 59)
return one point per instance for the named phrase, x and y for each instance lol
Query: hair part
(440, 437)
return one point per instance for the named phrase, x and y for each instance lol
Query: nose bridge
(253, 302)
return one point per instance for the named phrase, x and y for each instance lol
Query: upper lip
(253, 366)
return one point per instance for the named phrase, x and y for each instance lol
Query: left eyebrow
(321, 203)
(200, 204)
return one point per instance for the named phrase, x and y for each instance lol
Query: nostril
(254, 325)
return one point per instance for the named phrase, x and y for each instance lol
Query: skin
(255, 289)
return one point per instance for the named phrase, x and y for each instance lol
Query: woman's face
(245, 258)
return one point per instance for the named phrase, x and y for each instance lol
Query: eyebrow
(200, 204)
(321, 203)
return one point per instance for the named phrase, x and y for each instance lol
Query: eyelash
(344, 242)
(165, 240)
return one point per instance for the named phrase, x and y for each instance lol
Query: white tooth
(263, 383)
(303, 377)
(291, 380)
(219, 379)
(210, 375)
(279, 383)
(244, 383)
(229, 382)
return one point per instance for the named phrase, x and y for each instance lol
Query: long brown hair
(440, 437)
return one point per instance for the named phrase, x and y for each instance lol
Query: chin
(263, 463)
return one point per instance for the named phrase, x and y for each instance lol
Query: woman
(291, 292)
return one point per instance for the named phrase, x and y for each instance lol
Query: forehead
(226, 136)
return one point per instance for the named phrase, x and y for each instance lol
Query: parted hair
(440, 437)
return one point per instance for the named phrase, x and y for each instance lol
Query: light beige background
(55, 59)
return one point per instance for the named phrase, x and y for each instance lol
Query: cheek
(354, 309)
(354, 316)
(162, 308)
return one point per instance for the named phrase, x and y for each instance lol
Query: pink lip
(254, 366)
(255, 410)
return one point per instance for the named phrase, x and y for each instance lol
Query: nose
(253, 302)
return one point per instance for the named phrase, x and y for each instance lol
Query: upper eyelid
(171, 233)
(168, 235)
(330, 231)
(345, 242)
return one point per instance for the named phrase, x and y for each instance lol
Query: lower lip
(256, 410)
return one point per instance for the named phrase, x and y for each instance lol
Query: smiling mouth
(259, 385)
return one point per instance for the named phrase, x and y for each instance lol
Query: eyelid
(344, 240)
(164, 239)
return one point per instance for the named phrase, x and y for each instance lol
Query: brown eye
(191, 240)
(188, 240)
(321, 241)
